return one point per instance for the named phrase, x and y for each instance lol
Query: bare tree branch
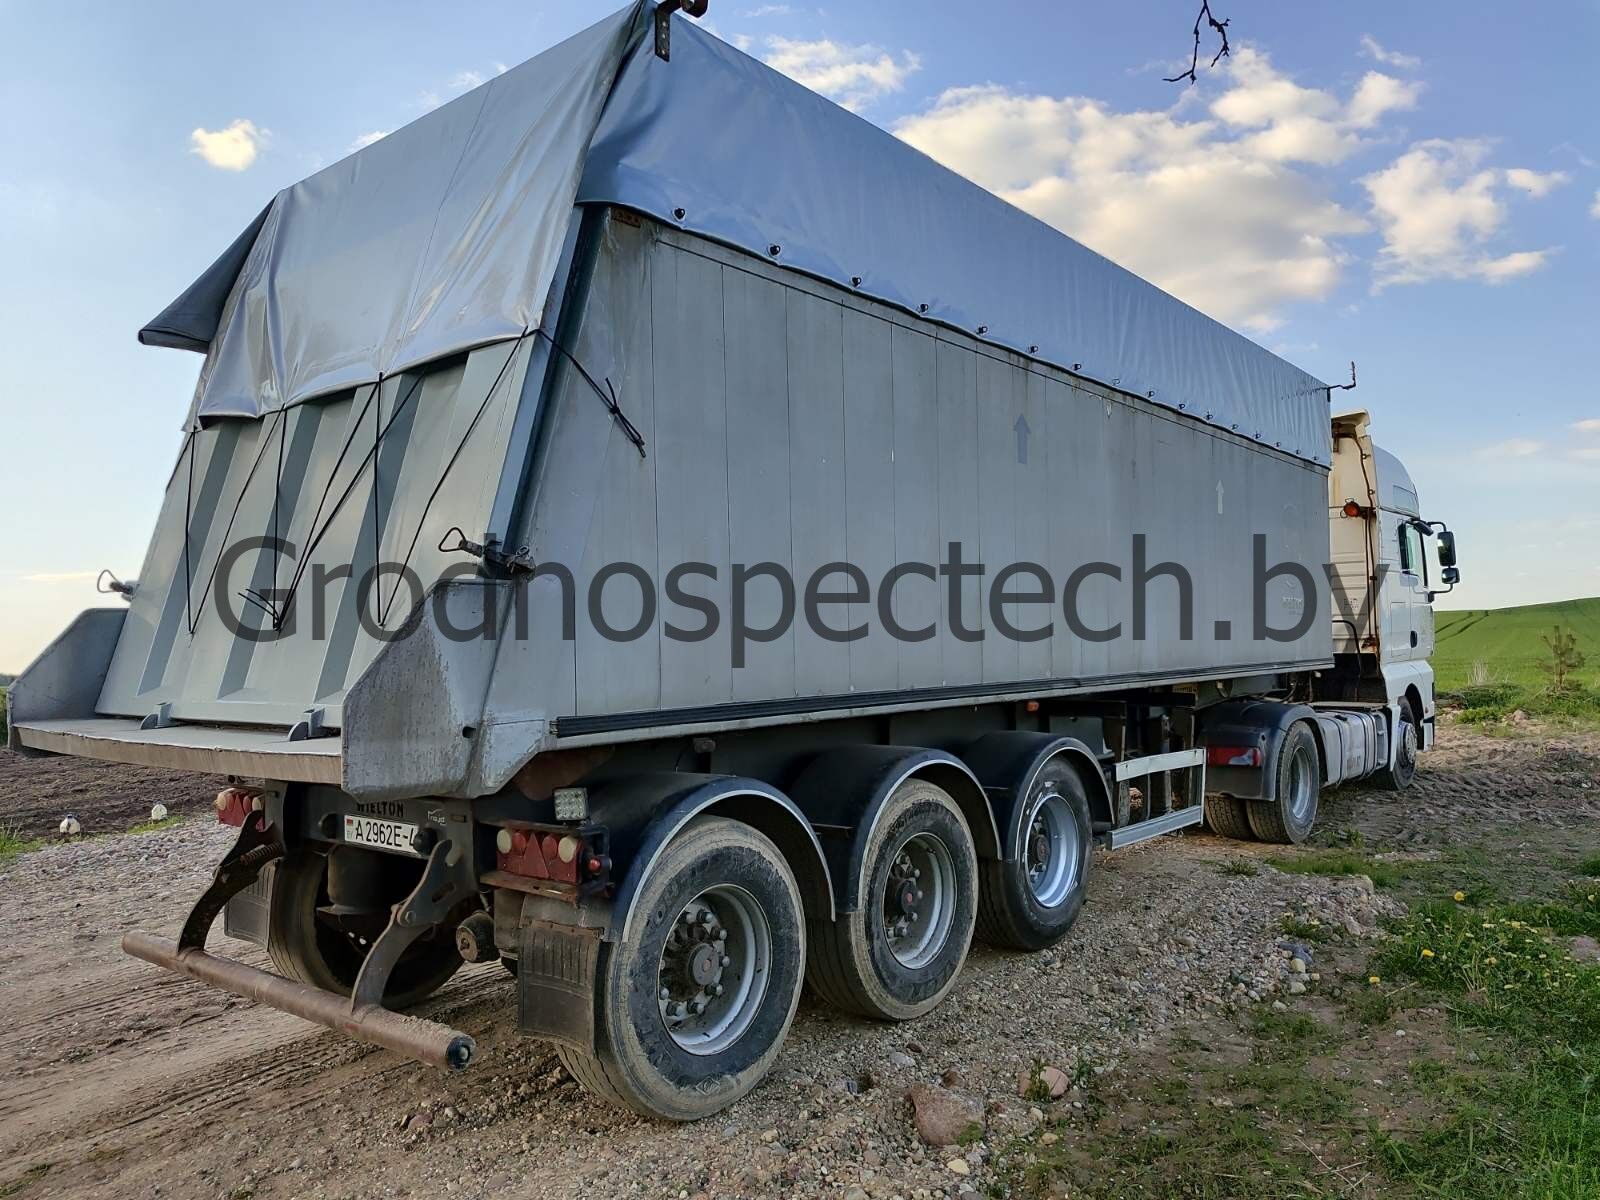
(1222, 52)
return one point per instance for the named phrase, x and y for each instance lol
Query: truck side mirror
(1447, 549)
(1450, 575)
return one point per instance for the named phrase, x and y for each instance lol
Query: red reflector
(1233, 756)
(234, 804)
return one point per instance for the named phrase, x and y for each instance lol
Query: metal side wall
(789, 421)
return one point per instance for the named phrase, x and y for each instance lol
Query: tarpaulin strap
(608, 396)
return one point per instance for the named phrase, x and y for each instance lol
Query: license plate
(383, 835)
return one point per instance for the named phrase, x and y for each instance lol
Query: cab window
(1410, 549)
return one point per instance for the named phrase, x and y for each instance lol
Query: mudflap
(558, 977)
(246, 915)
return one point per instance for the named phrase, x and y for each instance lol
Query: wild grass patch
(1527, 1121)
(1339, 862)
(13, 843)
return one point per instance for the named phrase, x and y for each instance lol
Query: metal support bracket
(664, 11)
(447, 882)
(257, 845)
(311, 726)
(160, 719)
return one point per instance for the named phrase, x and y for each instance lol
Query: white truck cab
(1389, 562)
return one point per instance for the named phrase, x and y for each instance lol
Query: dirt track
(129, 1082)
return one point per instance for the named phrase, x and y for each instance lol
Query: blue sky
(1416, 187)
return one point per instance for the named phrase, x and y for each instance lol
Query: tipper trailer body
(642, 523)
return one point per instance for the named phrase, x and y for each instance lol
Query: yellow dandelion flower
(1460, 896)
(1427, 954)
(1374, 980)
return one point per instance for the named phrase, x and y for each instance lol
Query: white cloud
(767, 10)
(1512, 448)
(231, 149)
(854, 76)
(1438, 207)
(1216, 209)
(1389, 58)
(1594, 209)
(1587, 425)
(465, 80)
(366, 139)
(1587, 454)
(1534, 183)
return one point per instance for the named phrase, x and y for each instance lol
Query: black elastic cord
(609, 395)
(238, 501)
(422, 518)
(188, 516)
(370, 456)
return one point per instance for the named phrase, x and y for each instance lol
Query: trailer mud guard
(1252, 724)
(843, 790)
(642, 813)
(1006, 763)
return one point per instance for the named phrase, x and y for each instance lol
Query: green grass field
(1507, 642)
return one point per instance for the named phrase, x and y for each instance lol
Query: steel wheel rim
(713, 971)
(1406, 752)
(1051, 850)
(919, 896)
(1302, 783)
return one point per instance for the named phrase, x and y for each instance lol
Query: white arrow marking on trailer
(1219, 497)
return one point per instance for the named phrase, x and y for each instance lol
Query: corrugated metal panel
(797, 424)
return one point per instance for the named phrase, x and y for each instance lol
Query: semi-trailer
(646, 525)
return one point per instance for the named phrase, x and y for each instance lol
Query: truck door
(1414, 633)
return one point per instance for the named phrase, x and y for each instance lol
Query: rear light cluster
(559, 855)
(1233, 756)
(234, 804)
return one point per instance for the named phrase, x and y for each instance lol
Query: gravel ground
(127, 1081)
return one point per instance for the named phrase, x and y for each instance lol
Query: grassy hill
(1507, 642)
(1492, 662)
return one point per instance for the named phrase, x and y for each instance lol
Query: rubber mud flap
(246, 915)
(558, 972)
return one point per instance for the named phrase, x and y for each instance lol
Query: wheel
(1287, 817)
(1229, 817)
(693, 1008)
(898, 954)
(1031, 901)
(1406, 740)
(316, 942)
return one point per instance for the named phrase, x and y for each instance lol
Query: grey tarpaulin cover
(444, 235)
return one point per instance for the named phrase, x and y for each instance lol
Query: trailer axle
(426, 1041)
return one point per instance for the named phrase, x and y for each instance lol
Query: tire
(307, 947)
(1288, 816)
(1408, 737)
(678, 1065)
(856, 965)
(1229, 817)
(1032, 900)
